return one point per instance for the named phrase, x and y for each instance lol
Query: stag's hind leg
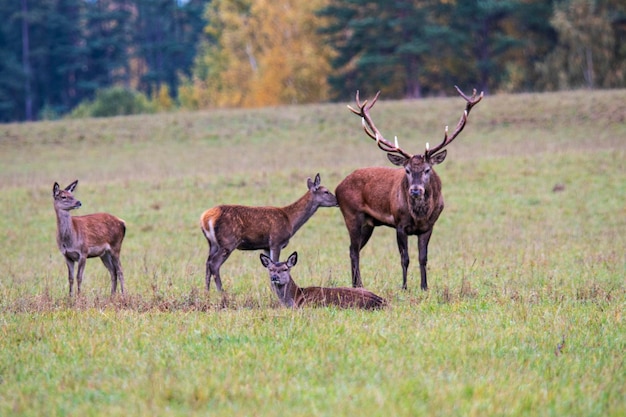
(360, 233)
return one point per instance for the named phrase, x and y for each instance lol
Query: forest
(63, 58)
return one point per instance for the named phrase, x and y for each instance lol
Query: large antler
(370, 128)
(471, 102)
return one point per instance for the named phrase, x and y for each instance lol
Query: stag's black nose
(416, 192)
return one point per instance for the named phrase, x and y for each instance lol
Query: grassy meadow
(527, 266)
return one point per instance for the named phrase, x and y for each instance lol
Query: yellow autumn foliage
(267, 52)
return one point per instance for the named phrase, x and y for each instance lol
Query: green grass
(515, 267)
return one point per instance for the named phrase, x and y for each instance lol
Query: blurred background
(90, 58)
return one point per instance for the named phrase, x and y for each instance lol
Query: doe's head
(64, 199)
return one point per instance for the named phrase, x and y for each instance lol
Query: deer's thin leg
(213, 253)
(118, 271)
(108, 263)
(422, 241)
(275, 254)
(214, 262)
(70, 273)
(79, 276)
(402, 240)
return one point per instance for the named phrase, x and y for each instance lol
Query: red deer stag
(290, 295)
(230, 227)
(408, 199)
(90, 236)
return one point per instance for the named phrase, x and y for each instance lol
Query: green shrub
(114, 101)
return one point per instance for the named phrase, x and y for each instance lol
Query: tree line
(58, 55)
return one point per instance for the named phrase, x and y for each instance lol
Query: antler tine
(370, 129)
(471, 102)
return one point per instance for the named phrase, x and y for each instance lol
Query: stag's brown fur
(291, 295)
(230, 227)
(82, 237)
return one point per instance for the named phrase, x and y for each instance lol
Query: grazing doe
(90, 236)
(290, 295)
(407, 199)
(230, 227)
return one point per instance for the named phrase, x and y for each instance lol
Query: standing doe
(90, 236)
(230, 227)
(407, 199)
(290, 295)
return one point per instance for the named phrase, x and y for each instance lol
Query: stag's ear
(438, 158)
(292, 260)
(55, 189)
(265, 260)
(71, 187)
(398, 160)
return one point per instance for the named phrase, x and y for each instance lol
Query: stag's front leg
(403, 248)
(422, 242)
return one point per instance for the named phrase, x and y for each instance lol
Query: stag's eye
(427, 171)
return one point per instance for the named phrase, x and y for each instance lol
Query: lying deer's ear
(292, 260)
(55, 189)
(438, 158)
(265, 260)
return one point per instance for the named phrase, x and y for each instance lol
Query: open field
(516, 266)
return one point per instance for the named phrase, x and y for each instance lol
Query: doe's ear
(438, 157)
(398, 160)
(71, 187)
(265, 260)
(55, 189)
(292, 260)
(313, 185)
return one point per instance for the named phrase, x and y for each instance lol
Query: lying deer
(90, 236)
(290, 295)
(230, 227)
(407, 199)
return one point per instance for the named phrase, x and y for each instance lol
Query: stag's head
(64, 199)
(419, 167)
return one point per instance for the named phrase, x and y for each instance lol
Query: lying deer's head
(279, 271)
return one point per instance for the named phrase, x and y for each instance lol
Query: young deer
(230, 227)
(90, 236)
(290, 295)
(408, 199)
